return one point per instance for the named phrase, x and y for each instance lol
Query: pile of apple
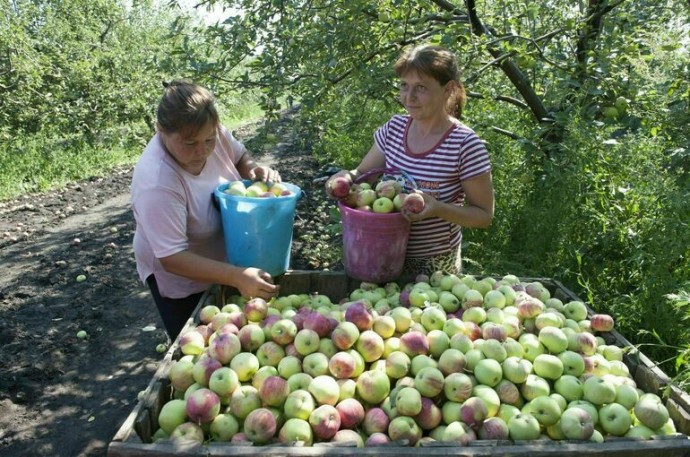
(444, 358)
(387, 196)
(258, 189)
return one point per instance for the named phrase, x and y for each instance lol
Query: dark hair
(186, 108)
(438, 63)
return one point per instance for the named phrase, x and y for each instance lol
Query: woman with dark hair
(448, 161)
(178, 243)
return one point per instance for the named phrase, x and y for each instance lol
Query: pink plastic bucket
(374, 244)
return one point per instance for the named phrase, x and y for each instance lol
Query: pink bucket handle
(409, 185)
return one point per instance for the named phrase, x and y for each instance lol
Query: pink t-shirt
(459, 155)
(174, 210)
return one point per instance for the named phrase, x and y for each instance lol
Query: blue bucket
(258, 231)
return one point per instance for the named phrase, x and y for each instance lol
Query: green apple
(535, 386)
(615, 419)
(548, 366)
(545, 409)
(553, 339)
(576, 424)
(488, 372)
(524, 427)
(299, 404)
(516, 369)
(573, 363)
(383, 205)
(599, 391)
(408, 401)
(570, 387)
(172, 414)
(650, 411)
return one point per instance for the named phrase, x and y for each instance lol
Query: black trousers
(174, 311)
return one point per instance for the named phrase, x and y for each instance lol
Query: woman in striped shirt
(448, 161)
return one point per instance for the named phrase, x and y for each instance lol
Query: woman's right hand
(338, 186)
(254, 282)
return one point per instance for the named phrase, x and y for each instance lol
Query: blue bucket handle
(410, 182)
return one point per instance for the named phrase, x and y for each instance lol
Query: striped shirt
(459, 155)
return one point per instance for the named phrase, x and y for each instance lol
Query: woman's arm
(477, 212)
(250, 282)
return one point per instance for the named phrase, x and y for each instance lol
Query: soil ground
(65, 396)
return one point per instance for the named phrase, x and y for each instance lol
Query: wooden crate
(134, 436)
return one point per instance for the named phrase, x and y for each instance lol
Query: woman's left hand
(266, 174)
(428, 210)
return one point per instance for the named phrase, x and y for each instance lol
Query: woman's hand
(266, 174)
(430, 204)
(254, 282)
(338, 186)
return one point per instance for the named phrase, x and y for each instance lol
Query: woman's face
(422, 96)
(191, 152)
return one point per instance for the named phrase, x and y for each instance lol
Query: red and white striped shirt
(459, 155)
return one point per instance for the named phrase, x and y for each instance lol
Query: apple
(283, 331)
(640, 431)
(255, 310)
(494, 299)
(387, 188)
(223, 381)
(413, 203)
(325, 422)
(172, 414)
(224, 346)
(320, 323)
(342, 365)
(433, 318)
(365, 197)
(203, 368)
(524, 427)
(306, 341)
(344, 335)
(397, 365)
(296, 430)
(601, 322)
(506, 411)
(370, 345)
(223, 427)
(570, 387)
(188, 431)
(493, 349)
(516, 369)
(325, 390)
(414, 343)
(545, 409)
(338, 187)
(627, 395)
(244, 400)
(493, 428)
(404, 428)
(430, 416)
(207, 312)
(599, 391)
(181, 373)
(535, 386)
(274, 391)
(251, 336)
(650, 411)
(615, 419)
(260, 426)
(408, 401)
(548, 366)
(299, 404)
(553, 339)
(474, 314)
(351, 413)
(576, 424)
(384, 326)
(459, 432)
(429, 381)
(236, 188)
(575, 310)
(451, 361)
(461, 342)
(348, 438)
(375, 421)
(192, 343)
(373, 386)
(403, 319)
(202, 406)
(573, 363)
(315, 364)
(488, 372)
(270, 354)
(473, 411)
(359, 314)
(377, 439)
(508, 392)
